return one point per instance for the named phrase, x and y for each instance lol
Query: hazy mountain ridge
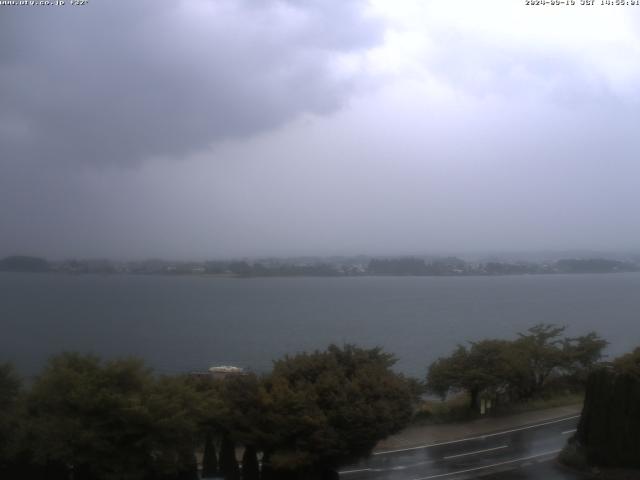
(327, 266)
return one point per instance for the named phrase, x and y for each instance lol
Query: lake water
(189, 323)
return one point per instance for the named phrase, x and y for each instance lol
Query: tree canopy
(330, 405)
(109, 420)
(9, 391)
(104, 420)
(516, 369)
(484, 366)
(629, 363)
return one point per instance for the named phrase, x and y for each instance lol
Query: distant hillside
(22, 263)
(594, 265)
(323, 267)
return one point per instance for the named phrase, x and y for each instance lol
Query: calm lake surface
(189, 323)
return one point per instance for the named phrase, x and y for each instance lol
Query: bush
(453, 409)
(573, 456)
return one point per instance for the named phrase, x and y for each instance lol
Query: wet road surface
(519, 453)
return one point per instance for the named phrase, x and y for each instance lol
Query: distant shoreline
(324, 267)
(364, 275)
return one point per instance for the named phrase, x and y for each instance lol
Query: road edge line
(477, 437)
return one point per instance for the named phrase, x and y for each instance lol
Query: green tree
(541, 349)
(235, 412)
(582, 354)
(10, 414)
(9, 387)
(608, 431)
(187, 468)
(518, 369)
(446, 374)
(545, 353)
(176, 412)
(328, 406)
(629, 363)
(241, 409)
(484, 367)
(111, 420)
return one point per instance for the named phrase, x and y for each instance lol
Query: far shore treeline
(84, 418)
(323, 267)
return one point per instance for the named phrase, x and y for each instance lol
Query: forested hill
(325, 267)
(23, 263)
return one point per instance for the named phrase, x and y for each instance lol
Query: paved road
(518, 453)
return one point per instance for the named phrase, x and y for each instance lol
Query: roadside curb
(433, 435)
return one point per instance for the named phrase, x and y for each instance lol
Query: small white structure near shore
(219, 372)
(224, 371)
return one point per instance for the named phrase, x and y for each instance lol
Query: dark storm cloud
(118, 82)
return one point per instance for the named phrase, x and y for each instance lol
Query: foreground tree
(241, 409)
(629, 364)
(516, 369)
(9, 419)
(545, 353)
(484, 367)
(228, 463)
(541, 349)
(581, 355)
(250, 467)
(609, 429)
(176, 412)
(111, 420)
(325, 407)
(209, 458)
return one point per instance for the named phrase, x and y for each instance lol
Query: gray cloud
(118, 82)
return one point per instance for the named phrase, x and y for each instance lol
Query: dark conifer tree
(210, 458)
(55, 471)
(330, 475)
(266, 471)
(250, 468)
(83, 472)
(228, 463)
(189, 467)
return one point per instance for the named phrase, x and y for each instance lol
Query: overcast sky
(220, 128)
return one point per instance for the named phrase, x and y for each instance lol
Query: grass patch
(575, 458)
(560, 400)
(453, 409)
(456, 408)
(572, 456)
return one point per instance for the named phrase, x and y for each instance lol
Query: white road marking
(399, 467)
(567, 432)
(474, 453)
(484, 467)
(479, 437)
(345, 472)
(411, 465)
